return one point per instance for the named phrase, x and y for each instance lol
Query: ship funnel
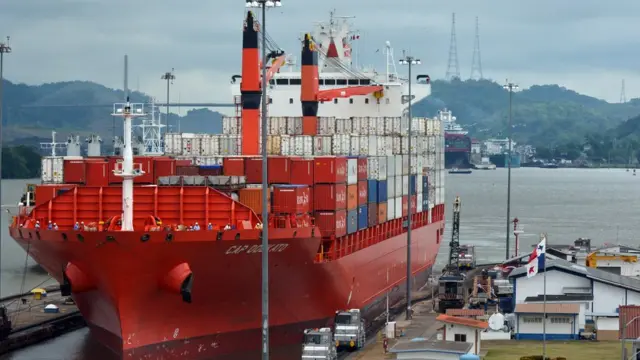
(179, 281)
(250, 87)
(309, 86)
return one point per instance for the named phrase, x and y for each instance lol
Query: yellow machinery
(594, 257)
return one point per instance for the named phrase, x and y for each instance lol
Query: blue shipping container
(372, 191)
(363, 217)
(425, 201)
(352, 221)
(382, 191)
(425, 184)
(412, 184)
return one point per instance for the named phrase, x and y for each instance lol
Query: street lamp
(4, 49)
(264, 4)
(623, 335)
(169, 76)
(510, 87)
(409, 61)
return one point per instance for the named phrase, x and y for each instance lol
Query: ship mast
(127, 169)
(53, 144)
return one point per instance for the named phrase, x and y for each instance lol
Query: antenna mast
(453, 68)
(476, 63)
(53, 144)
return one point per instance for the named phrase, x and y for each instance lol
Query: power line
(476, 63)
(453, 68)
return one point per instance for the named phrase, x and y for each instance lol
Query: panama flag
(536, 260)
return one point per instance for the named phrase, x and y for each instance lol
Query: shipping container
(382, 212)
(232, 125)
(302, 171)
(340, 144)
(414, 203)
(362, 193)
(184, 162)
(419, 203)
(252, 198)
(278, 167)
(362, 168)
(425, 184)
(391, 187)
(173, 144)
(405, 185)
(290, 199)
(391, 209)
(253, 170)
(372, 191)
(397, 161)
(302, 145)
(330, 197)
(399, 188)
(190, 170)
(391, 165)
(376, 168)
(97, 173)
(352, 196)
(326, 125)
(354, 145)
(418, 183)
(425, 201)
(397, 203)
(412, 184)
(52, 169)
(382, 191)
(352, 171)
(372, 214)
(352, 221)
(74, 171)
(210, 170)
(233, 166)
(230, 145)
(405, 205)
(190, 144)
(363, 217)
(330, 170)
(322, 145)
(163, 167)
(331, 223)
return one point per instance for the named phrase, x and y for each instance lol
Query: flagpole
(544, 300)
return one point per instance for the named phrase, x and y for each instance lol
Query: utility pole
(169, 76)
(4, 49)
(264, 4)
(510, 87)
(409, 61)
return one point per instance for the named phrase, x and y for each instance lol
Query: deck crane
(451, 283)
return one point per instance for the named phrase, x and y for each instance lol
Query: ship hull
(121, 288)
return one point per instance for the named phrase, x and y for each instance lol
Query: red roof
(463, 321)
(465, 312)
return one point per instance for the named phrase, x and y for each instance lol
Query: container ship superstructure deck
(162, 253)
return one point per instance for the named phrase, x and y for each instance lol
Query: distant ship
(457, 142)
(497, 150)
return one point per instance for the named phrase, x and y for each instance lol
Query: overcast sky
(586, 45)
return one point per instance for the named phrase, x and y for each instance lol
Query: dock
(37, 316)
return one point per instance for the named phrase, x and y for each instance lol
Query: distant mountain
(542, 115)
(31, 112)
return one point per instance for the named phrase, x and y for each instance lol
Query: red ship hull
(123, 294)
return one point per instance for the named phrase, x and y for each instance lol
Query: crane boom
(276, 64)
(330, 94)
(454, 245)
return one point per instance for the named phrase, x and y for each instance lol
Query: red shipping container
(190, 170)
(253, 170)
(144, 163)
(97, 173)
(352, 197)
(627, 315)
(405, 205)
(330, 197)
(414, 204)
(373, 215)
(362, 168)
(330, 170)
(362, 193)
(279, 170)
(382, 212)
(184, 162)
(252, 198)
(164, 167)
(302, 171)
(290, 199)
(74, 171)
(332, 223)
(233, 166)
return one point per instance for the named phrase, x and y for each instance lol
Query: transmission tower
(453, 68)
(476, 63)
(623, 95)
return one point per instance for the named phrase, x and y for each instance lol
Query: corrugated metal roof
(465, 312)
(463, 321)
(559, 298)
(413, 346)
(591, 273)
(549, 308)
(628, 314)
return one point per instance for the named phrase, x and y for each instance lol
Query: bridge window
(294, 81)
(270, 100)
(320, 81)
(366, 100)
(282, 81)
(341, 81)
(272, 82)
(335, 101)
(350, 101)
(290, 100)
(353, 82)
(365, 82)
(329, 81)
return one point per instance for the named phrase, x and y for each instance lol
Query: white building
(560, 323)
(430, 350)
(607, 326)
(608, 290)
(461, 329)
(583, 301)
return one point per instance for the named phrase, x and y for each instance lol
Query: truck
(318, 344)
(349, 329)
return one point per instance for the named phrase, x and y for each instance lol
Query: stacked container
(330, 195)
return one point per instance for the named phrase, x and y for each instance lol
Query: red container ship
(162, 253)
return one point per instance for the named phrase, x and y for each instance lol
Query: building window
(290, 101)
(532, 319)
(460, 337)
(560, 320)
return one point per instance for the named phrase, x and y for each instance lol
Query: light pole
(510, 87)
(409, 61)
(264, 4)
(623, 350)
(169, 76)
(4, 49)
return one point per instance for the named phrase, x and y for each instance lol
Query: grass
(572, 350)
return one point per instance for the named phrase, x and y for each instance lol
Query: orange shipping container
(252, 197)
(382, 212)
(233, 166)
(352, 197)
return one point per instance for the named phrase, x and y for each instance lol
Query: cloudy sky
(586, 45)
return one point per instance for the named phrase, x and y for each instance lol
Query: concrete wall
(566, 330)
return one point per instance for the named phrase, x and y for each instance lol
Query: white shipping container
(352, 171)
(396, 124)
(231, 125)
(189, 147)
(398, 184)
(405, 184)
(397, 162)
(419, 178)
(344, 126)
(376, 126)
(303, 145)
(398, 206)
(286, 145)
(354, 145)
(173, 143)
(365, 148)
(419, 203)
(322, 145)
(405, 164)
(205, 145)
(391, 214)
(297, 124)
(277, 125)
(207, 160)
(418, 127)
(52, 169)
(417, 164)
(326, 125)
(341, 144)
(359, 125)
(230, 145)
(397, 145)
(391, 187)
(373, 168)
(273, 142)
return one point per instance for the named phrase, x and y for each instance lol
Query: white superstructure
(450, 124)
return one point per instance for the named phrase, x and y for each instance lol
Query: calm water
(564, 203)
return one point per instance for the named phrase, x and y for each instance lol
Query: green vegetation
(571, 350)
(20, 162)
